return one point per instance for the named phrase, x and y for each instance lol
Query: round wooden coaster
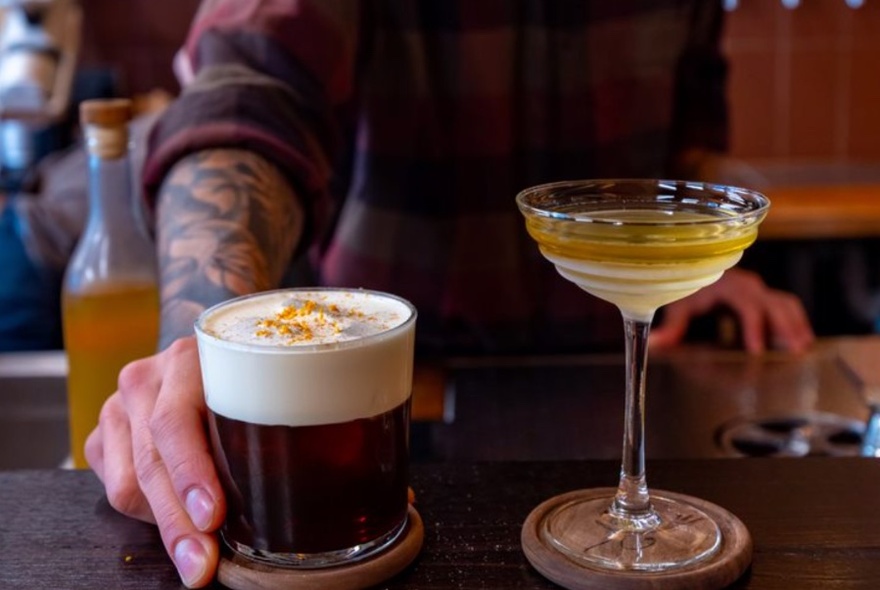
(240, 573)
(719, 571)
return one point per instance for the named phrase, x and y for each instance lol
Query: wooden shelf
(822, 212)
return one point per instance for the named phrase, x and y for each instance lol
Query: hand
(768, 318)
(151, 452)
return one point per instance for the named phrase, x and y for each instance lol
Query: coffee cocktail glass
(308, 392)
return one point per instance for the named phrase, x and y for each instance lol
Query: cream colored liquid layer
(638, 290)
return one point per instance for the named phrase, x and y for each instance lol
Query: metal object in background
(871, 440)
(792, 435)
(39, 48)
(860, 359)
(731, 5)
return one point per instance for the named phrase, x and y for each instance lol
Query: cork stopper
(105, 122)
(105, 112)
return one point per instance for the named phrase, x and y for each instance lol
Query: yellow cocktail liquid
(641, 259)
(104, 329)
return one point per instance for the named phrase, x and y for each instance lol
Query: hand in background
(152, 454)
(768, 318)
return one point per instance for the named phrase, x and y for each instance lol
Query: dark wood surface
(814, 522)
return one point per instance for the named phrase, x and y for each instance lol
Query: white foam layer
(303, 357)
(305, 317)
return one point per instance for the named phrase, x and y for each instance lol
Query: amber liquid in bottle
(110, 300)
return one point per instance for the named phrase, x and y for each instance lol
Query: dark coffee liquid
(312, 489)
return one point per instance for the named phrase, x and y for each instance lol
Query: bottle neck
(115, 246)
(110, 192)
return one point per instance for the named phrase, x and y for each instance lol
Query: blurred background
(804, 90)
(135, 41)
(804, 86)
(804, 81)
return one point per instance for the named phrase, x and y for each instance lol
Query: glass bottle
(110, 300)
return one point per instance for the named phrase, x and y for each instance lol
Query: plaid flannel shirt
(407, 128)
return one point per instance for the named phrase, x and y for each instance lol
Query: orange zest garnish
(298, 323)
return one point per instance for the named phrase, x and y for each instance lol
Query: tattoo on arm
(228, 223)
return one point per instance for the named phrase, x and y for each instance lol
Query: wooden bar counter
(815, 523)
(723, 426)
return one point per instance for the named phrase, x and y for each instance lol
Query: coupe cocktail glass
(638, 244)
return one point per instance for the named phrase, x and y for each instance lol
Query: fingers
(115, 468)
(677, 317)
(189, 472)
(767, 318)
(151, 452)
(789, 323)
(181, 442)
(171, 459)
(673, 329)
(750, 306)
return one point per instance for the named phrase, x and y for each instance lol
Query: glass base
(673, 535)
(326, 559)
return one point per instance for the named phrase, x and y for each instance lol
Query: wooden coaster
(240, 573)
(718, 571)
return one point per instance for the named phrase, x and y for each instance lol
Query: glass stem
(632, 504)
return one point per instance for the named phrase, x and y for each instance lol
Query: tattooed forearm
(228, 223)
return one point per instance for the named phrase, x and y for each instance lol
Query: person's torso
(460, 106)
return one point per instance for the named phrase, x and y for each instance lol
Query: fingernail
(200, 508)
(191, 561)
